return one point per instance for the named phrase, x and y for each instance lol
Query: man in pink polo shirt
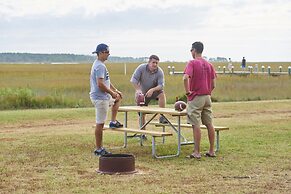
(199, 81)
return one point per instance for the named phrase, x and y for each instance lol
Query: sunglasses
(107, 52)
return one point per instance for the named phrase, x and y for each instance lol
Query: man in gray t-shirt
(103, 94)
(148, 79)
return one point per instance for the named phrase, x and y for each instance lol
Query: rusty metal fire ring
(117, 164)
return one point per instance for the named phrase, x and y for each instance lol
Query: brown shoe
(196, 156)
(207, 154)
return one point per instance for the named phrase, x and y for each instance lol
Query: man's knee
(161, 96)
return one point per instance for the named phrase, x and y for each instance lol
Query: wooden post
(269, 70)
(173, 70)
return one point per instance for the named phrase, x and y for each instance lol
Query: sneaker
(163, 120)
(101, 152)
(115, 124)
(143, 136)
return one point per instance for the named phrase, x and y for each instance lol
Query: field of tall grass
(67, 85)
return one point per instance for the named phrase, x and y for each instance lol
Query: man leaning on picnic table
(148, 79)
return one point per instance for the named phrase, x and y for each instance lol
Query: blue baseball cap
(101, 48)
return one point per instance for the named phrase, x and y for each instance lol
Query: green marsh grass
(70, 83)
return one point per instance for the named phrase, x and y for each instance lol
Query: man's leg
(101, 108)
(197, 139)
(207, 121)
(99, 135)
(114, 110)
(162, 100)
(194, 109)
(162, 104)
(143, 120)
(211, 137)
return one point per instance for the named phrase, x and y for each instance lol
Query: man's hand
(120, 93)
(137, 92)
(149, 93)
(116, 96)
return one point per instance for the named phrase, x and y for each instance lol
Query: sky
(259, 30)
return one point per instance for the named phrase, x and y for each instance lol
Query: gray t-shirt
(147, 79)
(99, 70)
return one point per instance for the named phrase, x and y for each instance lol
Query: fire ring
(117, 164)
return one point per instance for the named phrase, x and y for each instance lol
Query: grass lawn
(50, 151)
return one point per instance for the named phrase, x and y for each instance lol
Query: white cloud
(20, 8)
(229, 28)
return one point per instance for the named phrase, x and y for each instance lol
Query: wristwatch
(188, 93)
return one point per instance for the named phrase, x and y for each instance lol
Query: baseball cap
(101, 48)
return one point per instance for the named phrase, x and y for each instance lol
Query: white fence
(244, 71)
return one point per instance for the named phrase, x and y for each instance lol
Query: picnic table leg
(153, 147)
(217, 141)
(179, 135)
(173, 127)
(164, 129)
(179, 143)
(125, 133)
(140, 125)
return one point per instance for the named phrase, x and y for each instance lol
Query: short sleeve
(135, 78)
(161, 81)
(189, 69)
(100, 71)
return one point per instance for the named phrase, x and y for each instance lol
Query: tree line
(60, 58)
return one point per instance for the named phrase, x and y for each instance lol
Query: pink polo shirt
(201, 74)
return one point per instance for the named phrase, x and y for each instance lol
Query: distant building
(218, 59)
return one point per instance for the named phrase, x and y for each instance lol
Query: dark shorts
(153, 97)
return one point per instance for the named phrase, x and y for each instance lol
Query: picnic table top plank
(217, 128)
(152, 110)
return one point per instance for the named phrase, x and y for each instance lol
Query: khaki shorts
(199, 109)
(101, 109)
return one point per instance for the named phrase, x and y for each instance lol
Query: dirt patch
(9, 131)
(248, 113)
(42, 126)
(8, 139)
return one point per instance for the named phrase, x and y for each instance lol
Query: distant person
(256, 68)
(148, 79)
(199, 81)
(229, 66)
(103, 95)
(243, 63)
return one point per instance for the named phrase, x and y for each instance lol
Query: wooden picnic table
(154, 111)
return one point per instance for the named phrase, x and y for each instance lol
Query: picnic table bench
(138, 131)
(216, 128)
